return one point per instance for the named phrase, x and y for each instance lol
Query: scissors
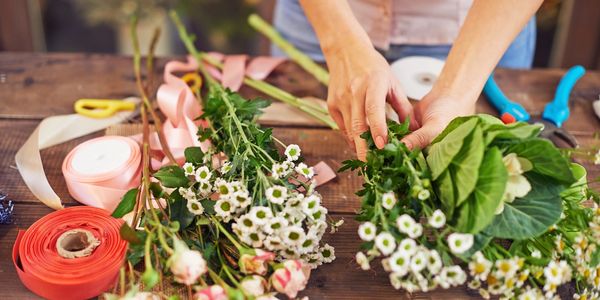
(102, 108)
(555, 113)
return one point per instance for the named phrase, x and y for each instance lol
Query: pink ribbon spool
(98, 172)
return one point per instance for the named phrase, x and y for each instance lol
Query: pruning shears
(102, 108)
(555, 113)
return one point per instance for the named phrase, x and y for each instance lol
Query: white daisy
(195, 207)
(225, 167)
(305, 170)
(362, 261)
(293, 235)
(419, 261)
(277, 170)
(205, 188)
(223, 188)
(367, 231)
(423, 194)
(202, 174)
(260, 214)
(505, 268)
(276, 194)
(188, 169)
(385, 242)
(460, 242)
(187, 194)
(311, 204)
(434, 262)
(319, 215)
(479, 266)
(224, 209)
(275, 224)
(310, 243)
(328, 253)
(416, 231)
(241, 199)
(273, 243)
(292, 152)
(246, 223)
(408, 247)
(399, 263)
(553, 273)
(437, 219)
(388, 200)
(405, 223)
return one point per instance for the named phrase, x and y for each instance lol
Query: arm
(361, 79)
(488, 30)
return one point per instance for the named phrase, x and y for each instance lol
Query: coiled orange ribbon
(46, 273)
(99, 171)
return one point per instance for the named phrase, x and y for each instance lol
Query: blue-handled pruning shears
(555, 113)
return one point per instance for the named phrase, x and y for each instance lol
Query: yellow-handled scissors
(102, 108)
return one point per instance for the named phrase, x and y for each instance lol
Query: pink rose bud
(186, 265)
(257, 263)
(254, 285)
(213, 292)
(290, 279)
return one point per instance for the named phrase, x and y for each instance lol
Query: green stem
(227, 234)
(296, 55)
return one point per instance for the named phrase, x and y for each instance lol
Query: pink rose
(187, 265)
(213, 292)
(290, 279)
(257, 263)
(254, 285)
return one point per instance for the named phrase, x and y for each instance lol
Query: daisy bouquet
(236, 221)
(487, 204)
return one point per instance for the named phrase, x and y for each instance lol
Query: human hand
(434, 113)
(361, 81)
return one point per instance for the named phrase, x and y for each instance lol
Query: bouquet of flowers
(239, 221)
(489, 204)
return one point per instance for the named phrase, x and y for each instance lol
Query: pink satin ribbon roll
(98, 172)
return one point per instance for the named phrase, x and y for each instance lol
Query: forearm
(335, 25)
(489, 28)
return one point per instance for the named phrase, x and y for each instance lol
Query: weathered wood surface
(33, 86)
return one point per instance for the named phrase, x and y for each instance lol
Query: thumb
(422, 137)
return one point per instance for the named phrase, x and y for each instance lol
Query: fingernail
(379, 142)
(408, 145)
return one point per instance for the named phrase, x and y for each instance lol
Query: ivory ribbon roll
(53, 131)
(48, 274)
(100, 171)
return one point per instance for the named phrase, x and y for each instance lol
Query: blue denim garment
(290, 21)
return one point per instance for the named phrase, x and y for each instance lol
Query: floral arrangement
(489, 204)
(239, 221)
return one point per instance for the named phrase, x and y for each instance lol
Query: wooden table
(34, 86)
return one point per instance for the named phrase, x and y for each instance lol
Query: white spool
(417, 74)
(101, 157)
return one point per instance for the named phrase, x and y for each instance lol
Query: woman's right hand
(361, 81)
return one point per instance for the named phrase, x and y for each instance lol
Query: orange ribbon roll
(73, 253)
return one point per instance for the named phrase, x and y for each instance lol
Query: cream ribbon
(53, 131)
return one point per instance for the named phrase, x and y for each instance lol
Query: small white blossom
(195, 207)
(188, 194)
(536, 254)
(188, 169)
(416, 231)
(506, 268)
(278, 170)
(434, 262)
(225, 167)
(460, 242)
(246, 223)
(293, 235)
(437, 219)
(260, 214)
(408, 246)
(292, 152)
(276, 194)
(223, 188)
(205, 188)
(423, 194)
(275, 224)
(328, 253)
(305, 170)
(419, 261)
(399, 263)
(241, 199)
(405, 223)
(480, 267)
(202, 174)
(385, 242)
(224, 208)
(388, 200)
(517, 185)
(362, 261)
(311, 204)
(367, 231)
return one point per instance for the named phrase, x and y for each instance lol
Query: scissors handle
(557, 111)
(101, 108)
(509, 111)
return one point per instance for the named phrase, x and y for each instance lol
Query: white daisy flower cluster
(412, 266)
(499, 278)
(290, 223)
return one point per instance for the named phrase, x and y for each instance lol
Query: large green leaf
(464, 168)
(478, 211)
(531, 215)
(545, 158)
(447, 193)
(518, 130)
(193, 155)
(178, 210)
(441, 154)
(172, 177)
(577, 191)
(127, 203)
(453, 125)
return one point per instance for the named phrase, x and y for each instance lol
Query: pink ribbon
(234, 68)
(105, 188)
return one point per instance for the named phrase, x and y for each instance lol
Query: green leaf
(464, 168)
(172, 177)
(193, 155)
(531, 215)
(178, 210)
(577, 191)
(546, 159)
(127, 233)
(441, 154)
(488, 120)
(209, 206)
(453, 125)
(447, 193)
(478, 211)
(127, 203)
(519, 131)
